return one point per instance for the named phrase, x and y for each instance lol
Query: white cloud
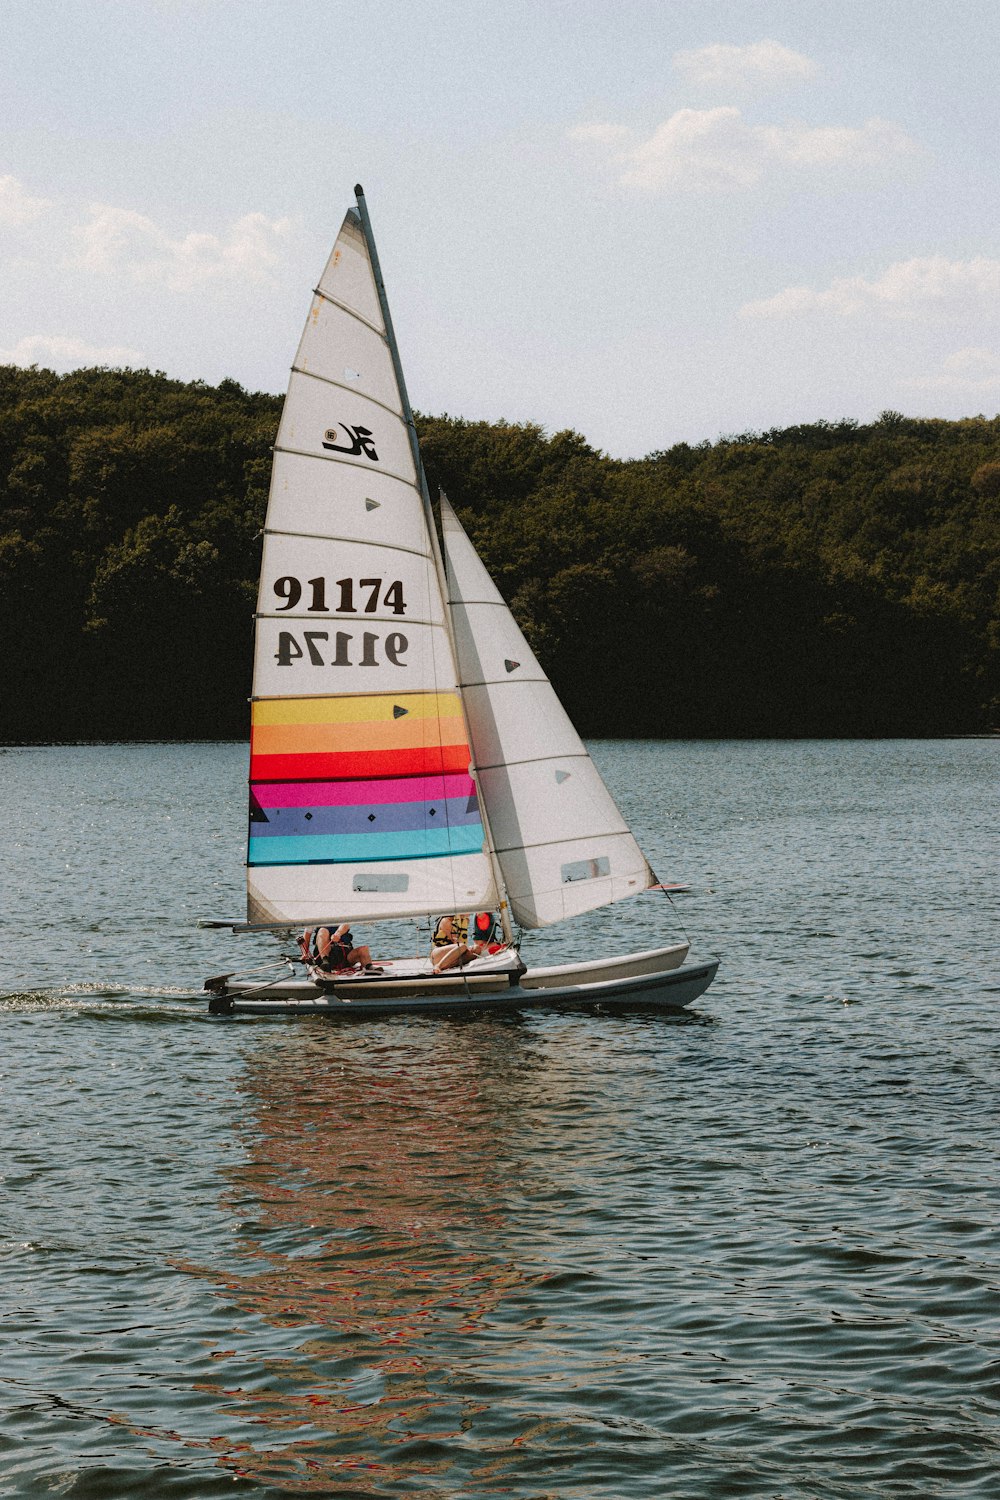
(967, 372)
(859, 148)
(695, 148)
(764, 64)
(119, 241)
(56, 351)
(713, 149)
(17, 207)
(906, 288)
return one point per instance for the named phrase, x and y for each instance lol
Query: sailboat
(409, 757)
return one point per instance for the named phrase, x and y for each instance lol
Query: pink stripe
(361, 793)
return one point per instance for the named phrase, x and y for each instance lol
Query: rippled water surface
(750, 1250)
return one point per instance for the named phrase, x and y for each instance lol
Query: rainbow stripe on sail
(353, 779)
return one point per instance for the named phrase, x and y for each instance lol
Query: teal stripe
(347, 849)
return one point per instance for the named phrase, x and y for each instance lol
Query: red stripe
(344, 765)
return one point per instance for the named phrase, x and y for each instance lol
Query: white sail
(362, 804)
(558, 837)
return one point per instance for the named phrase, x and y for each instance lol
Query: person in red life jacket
(331, 948)
(487, 932)
(453, 944)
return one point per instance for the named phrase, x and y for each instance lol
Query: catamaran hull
(669, 989)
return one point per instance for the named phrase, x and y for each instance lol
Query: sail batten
(341, 462)
(350, 311)
(342, 385)
(316, 536)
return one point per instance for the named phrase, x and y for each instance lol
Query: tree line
(819, 580)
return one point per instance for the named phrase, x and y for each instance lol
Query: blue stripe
(382, 817)
(346, 849)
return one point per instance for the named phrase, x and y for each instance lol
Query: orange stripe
(393, 734)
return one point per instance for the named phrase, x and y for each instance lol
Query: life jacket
(460, 922)
(485, 927)
(336, 954)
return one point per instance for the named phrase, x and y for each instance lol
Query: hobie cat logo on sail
(359, 440)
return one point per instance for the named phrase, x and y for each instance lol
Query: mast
(418, 464)
(390, 334)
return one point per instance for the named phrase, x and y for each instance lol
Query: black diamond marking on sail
(433, 812)
(511, 666)
(399, 713)
(371, 817)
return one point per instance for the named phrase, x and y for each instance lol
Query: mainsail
(560, 842)
(361, 799)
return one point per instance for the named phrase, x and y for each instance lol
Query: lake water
(750, 1250)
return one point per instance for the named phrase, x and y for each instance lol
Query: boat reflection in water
(373, 1209)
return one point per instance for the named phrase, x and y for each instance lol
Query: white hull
(657, 978)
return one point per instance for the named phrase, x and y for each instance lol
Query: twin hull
(657, 978)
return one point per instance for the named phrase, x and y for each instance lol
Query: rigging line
(611, 833)
(536, 760)
(390, 337)
(673, 907)
(340, 458)
(254, 988)
(486, 604)
(341, 385)
(496, 874)
(502, 681)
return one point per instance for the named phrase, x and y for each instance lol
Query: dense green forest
(831, 579)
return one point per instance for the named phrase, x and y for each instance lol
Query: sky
(651, 221)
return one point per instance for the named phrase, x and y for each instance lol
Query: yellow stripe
(403, 734)
(353, 710)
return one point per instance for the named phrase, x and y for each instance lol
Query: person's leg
(447, 958)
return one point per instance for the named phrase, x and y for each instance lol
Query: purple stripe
(390, 817)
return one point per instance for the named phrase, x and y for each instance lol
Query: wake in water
(102, 1000)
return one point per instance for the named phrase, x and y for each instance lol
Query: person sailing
(450, 946)
(331, 948)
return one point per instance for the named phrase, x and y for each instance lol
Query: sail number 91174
(348, 596)
(289, 591)
(352, 596)
(317, 648)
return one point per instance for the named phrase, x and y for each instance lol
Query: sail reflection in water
(377, 1228)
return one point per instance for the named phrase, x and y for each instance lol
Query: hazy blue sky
(647, 221)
